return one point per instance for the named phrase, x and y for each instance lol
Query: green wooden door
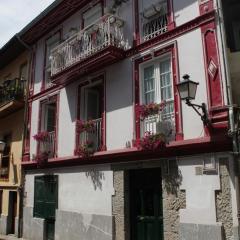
(146, 204)
(45, 202)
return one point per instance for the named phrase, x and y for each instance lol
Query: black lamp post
(187, 90)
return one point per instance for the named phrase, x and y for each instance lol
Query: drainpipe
(232, 124)
(21, 188)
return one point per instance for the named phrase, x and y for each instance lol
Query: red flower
(152, 141)
(151, 109)
(41, 136)
(85, 149)
(88, 126)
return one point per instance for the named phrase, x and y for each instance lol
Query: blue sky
(16, 14)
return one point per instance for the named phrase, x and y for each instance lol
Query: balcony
(154, 20)
(11, 96)
(98, 45)
(163, 123)
(89, 137)
(47, 145)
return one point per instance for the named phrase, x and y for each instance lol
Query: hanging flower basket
(85, 149)
(41, 136)
(150, 109)
(152, 141)
(85, 126)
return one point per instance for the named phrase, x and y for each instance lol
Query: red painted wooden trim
(175, 149)
(172, 49)
(214, 84)
(205, 6)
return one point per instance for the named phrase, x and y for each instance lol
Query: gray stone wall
(120, 202)
(173, 201)
(33, 228)
(223, 200)
(76, 226)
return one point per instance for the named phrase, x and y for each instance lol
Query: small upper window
(51, 43)
(92, 15)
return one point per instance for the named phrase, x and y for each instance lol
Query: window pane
(92, 15)
(149, 85)
(165, 78)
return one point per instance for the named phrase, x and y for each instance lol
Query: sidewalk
(9, 237)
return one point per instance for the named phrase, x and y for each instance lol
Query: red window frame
(52, 99)
(77, 134)
(172, 50)
(137, 35)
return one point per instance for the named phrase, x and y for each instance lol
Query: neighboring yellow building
(14, 62)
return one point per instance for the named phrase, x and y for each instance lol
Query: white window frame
(156, 63)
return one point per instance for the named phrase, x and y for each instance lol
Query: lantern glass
(2, 146)
(187, 89)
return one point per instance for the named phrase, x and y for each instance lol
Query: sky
(16, 14)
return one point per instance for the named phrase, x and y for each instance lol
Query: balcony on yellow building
(11, 96)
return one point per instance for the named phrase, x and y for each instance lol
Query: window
(157, 87)
(154, 18)
(91, 112)
(92, 15)
(51, 43)
(48, 124)
(5, 158)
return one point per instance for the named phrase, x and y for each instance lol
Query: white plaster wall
(185, 10)
(191, 61)
(66, 123)
(34, 127)
(86, 190)
(119, 100)
(200, 192)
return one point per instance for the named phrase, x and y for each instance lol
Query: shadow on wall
(97, 177)
(173, 180)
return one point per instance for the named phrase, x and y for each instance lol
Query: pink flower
(41, 136)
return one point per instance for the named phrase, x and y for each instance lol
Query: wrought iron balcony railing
(107, 31)
(159, 123)
(94, 137)
(12, 90)
(155, 20)
(48, 145)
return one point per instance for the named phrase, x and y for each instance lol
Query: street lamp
(2, 146)
(187, 90)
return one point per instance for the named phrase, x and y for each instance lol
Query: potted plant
(87, 126)
(152, 141)
(85, 149)
(150, 109)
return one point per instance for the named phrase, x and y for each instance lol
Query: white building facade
(90, 170)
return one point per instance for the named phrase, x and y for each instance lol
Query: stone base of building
(190, 231)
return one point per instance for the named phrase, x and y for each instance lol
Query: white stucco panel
(191, 61)
(200, 192)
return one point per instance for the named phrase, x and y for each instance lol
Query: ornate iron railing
(12, 90)
(159, 123)
(48, 145)
(94, 136)
(107, 31)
